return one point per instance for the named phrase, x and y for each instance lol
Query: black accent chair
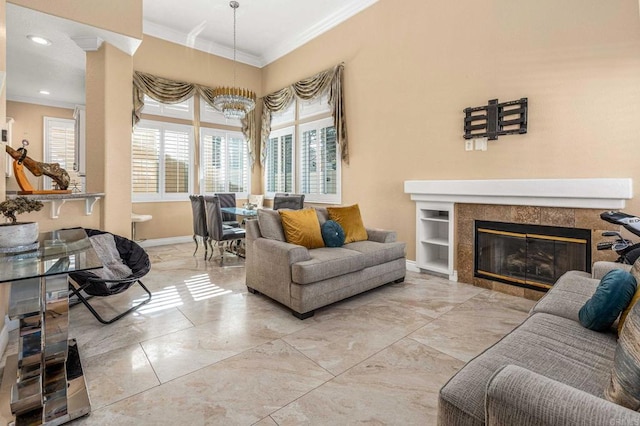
(228, 199)
(199, 222)
(288, 201)
(87, 282)
(226, 238)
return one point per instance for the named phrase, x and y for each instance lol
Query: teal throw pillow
(610, 298)
(332, 234)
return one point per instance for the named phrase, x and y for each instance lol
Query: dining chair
(199, 222)
(228, 199)
(288, 201)
(225, 238)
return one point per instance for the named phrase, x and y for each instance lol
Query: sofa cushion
(568, 295)
(625, 313)
(624, 387)
(546, 344)
(635, 269)
(327, 262)
(301, 227)
(377, 253)
(323, 214)
(332, 234)
(350, 220)
(613, 294)
(270, 224)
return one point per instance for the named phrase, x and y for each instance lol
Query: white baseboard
(166, 241)
(412, 267)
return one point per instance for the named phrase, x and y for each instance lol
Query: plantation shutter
(287, 163)
(176, 161)
(213, 163)
(272, 164)
(238, 161)
(145, 166)
(319, 160)
(308, 163)
(60, 144)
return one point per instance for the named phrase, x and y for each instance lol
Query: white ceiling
(266, 30)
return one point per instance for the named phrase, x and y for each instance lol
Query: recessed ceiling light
(45, 92)
(39, 40)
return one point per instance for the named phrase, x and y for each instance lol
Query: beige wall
(170, 60)
(29, 125)
(120, 16)
(29, 122)
(109, 104)
(411, 69)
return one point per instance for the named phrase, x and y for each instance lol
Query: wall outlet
(468, 145)
(481, 144)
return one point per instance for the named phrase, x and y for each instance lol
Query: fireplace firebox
(530, 256)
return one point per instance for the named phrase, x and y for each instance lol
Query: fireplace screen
(531, 256)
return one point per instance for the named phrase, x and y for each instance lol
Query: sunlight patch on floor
(195, 288)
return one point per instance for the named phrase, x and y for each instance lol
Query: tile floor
(204, 351)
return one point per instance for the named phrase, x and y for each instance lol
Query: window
(319, 161)
(59, 144)
(182, 110)
(306, 149)
(279, 162)
(208, 114)
(161, 161)
(224, 162)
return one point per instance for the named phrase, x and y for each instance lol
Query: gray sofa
(550, 370)
(304, 279)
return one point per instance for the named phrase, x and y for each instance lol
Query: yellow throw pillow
(624, 314)
(351, 221)
(301, 227)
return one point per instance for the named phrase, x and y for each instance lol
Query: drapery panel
(305, 89)
(173, 92)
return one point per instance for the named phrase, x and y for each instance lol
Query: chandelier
(234, 102)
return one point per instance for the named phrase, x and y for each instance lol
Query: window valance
(172, 92)
(309, 88)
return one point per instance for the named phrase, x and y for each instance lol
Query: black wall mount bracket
(496, 119)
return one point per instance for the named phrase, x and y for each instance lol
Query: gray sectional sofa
(549, 371)
(306, 279)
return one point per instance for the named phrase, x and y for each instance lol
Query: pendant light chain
(234, 102)
(234, 5)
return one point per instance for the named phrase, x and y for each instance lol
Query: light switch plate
(481, 144)
(468, 145)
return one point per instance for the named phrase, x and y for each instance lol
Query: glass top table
(57, 252)
(238, 211)
(44, 382)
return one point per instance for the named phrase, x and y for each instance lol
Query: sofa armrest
(268, 264)
(281, 252)
(517, 396)
(381, 235)
(601, 267)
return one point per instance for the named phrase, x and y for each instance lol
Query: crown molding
(88, 43)
(321, 27)
(278, 51)
(40, 101)
(159, 31)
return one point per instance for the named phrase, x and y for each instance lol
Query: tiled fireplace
(467, 214)
(566, 203)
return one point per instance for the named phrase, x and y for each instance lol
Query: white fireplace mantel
(597, 193)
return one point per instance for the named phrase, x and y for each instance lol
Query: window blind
(225, 162)
(60, 144)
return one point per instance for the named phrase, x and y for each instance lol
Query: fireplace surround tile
(555, 216)
(551, 216)
(525, 214)
(508, 289)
